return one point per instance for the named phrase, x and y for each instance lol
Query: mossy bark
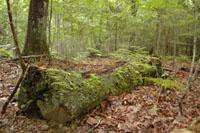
(63, 96)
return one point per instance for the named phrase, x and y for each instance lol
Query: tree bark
(36, 39)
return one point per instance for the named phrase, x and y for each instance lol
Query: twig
(15, 90)
(180, 103)
(168, 69)
(94, 127)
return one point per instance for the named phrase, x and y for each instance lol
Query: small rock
(2, 101)
(91, 121)
(44, 127)
(3, 122)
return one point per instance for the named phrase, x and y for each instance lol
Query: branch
(23, 66)
(24, 58)
(14, 91)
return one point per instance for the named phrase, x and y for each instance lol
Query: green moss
(53, 91)
(164, 83)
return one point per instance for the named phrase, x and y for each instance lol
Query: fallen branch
(180, 103)
(168, 69)
(23, 66)
(24, 58)
(93, 128)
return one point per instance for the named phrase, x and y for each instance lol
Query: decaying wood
(69, 95)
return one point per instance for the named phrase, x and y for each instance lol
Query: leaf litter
(147, 109)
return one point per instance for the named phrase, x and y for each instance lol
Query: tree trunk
(158, 34)
(191, 75)
(50, 21)
(36, 39)
(116, 36)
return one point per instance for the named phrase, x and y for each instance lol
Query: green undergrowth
(94, 52)
(164, 83)
(179, 59)
(4, 53)
(128, 55)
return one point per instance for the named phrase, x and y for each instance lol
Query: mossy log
(63, 96)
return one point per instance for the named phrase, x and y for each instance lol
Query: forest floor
(147, 109)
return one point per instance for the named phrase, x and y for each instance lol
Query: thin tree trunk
(158, 35)
(116, 36)
(167, 35)
(50, 19)
(23, 66)
(196, 71)
(190, 79)
(175, 52)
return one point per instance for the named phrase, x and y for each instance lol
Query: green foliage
(181, 58)
(164, 83)
(123, 54)
(138, 56)
(137, 49)
(109, 25)
(94, 52)
(4, 53)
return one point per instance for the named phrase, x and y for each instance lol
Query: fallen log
(63, 96)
